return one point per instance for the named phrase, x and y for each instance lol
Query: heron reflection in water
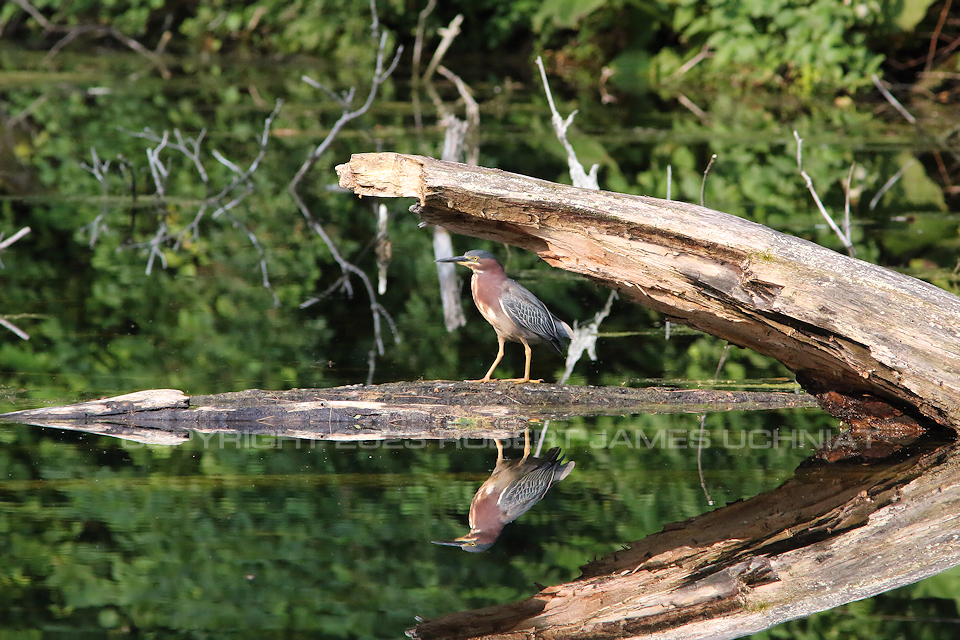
(510, 491)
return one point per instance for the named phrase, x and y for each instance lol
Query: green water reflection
(235, 533)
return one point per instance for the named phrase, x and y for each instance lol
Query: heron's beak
(457, 259)
(457, 542)
(467, 543)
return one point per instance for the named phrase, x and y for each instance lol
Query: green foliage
(911, 13)
(564, 14)
(805, 45)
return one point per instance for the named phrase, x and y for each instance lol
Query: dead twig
(944, 12)
(448, 34)
(697, 111)
(4, 243)
(703, 183)
(893, 101)
(100, 170)
(380, 75)
(694, 61)
(457, 133)
(580, 177)
(222, 202)
(585, 339)
(889, 184)
(23, 335)
(417, 54)
(97, 31)
(845, 239)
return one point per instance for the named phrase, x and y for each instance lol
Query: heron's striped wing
(528, 313)
(520, 496)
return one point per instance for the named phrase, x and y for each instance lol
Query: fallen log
(422, 410)
(884, 344)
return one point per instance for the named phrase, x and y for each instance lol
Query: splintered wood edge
(388, 175)
(149, 400)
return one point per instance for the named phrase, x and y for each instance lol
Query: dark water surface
(232, 533)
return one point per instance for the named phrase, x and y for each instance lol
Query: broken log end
(388, 175)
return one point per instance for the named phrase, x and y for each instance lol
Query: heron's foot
(482, 380)
(522, 380)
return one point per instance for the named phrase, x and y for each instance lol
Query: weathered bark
(422, 410)
(831, 535)
(840, 324)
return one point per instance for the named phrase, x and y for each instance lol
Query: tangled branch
(380, 75)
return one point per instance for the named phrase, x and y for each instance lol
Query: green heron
(515, 313)
(510, 491)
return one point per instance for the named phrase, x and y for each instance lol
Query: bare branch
(190, 147)
(380, 75)
(415, 72)
(344, 100)
(722, 361)
(12, 327)
(34, 13)
(703, 482)
(227, 163)
(469, 143)
(142, 50)
(577, 174)
(98, 31)
(9, 241)
(896, 103)
(689, 104)
(263, 256)
(585, 339)
(374, 21)
(694, 61)
(159, 172)
(703, 183)
(155, 247)
(448, 34)
(889, 184)
(847, 187)
(240, 176)
(418, 41)
(100, 171)
(816, 198)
